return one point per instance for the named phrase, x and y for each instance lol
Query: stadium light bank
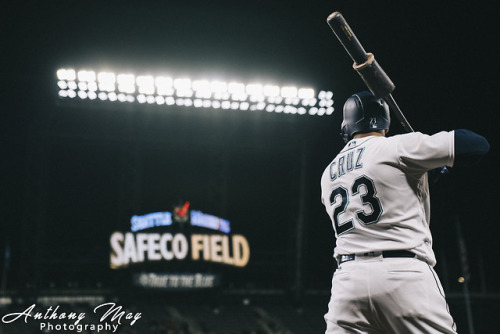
(198, 93)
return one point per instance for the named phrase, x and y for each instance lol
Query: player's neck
(368, 134)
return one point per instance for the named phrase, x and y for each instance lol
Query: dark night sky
(441, 57)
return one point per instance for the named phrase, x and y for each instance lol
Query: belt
(390, 253)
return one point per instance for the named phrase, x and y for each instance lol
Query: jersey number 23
(369, 199)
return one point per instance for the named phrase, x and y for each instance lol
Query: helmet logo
(373, 122)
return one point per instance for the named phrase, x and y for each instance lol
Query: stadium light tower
(88, 84)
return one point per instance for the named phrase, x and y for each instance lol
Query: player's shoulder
(406, 136)
(410, 135)
(414, 137)
(411, 139)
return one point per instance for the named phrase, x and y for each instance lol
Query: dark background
(72, 173)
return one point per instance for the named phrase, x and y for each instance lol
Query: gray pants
(373, 294)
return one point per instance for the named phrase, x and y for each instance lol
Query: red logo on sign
(181, 212)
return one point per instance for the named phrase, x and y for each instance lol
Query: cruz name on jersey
(347, 162)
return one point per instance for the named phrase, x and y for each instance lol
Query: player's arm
(420, 153)
(469, 147)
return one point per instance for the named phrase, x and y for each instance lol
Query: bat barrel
(364, 63)
(346, 36)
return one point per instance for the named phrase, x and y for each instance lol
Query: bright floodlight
(66, 74)
(160, 100)
(183, 87)
(61, 74)
(126, 83)
(106, 77)
(87, 76)
(289, 91)
(164, 85)
(202, 89)
(72, 85)
(82, 85)
(182, 84)
(218, 87)
(92, 86)
(272, 91)
(236, 88)
(166, 91)
(150, 99)
(170, 101)
(306, 93)
(146, 84)
(201, 85)
(106, 81)
(255, 89)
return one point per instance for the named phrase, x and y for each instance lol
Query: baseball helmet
(363, 112)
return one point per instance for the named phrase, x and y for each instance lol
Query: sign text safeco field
(130, 248)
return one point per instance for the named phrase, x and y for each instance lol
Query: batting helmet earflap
(363, 112)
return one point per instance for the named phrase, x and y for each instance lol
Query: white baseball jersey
(377, 194)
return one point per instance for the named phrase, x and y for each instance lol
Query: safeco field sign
(128, 248)
(178, 236)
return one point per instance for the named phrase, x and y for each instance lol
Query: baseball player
(377, 195)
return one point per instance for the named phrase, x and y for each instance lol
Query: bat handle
(399, 114)
(346, 36)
